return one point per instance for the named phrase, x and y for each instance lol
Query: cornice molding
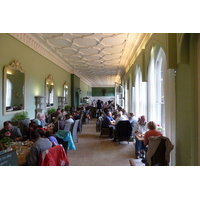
(142, 46)
(33, 44)
(26, 39)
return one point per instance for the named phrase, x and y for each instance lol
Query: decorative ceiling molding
(30, 42)
(98, 59)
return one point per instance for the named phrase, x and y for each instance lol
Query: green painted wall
(97, 91)
(75, 96)
(187, 104)
(37, 69)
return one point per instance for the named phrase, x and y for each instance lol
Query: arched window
(138, 91)
(139, 94)
(156, 108)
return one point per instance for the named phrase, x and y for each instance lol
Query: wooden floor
(93, 150)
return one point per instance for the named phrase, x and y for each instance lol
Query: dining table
(22, 150)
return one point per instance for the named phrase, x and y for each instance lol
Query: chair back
(68, 126)
(63, 143)
(81, 122)
(75, 130)
(158, 158)
(55, 156)
(123, 130)
(159, 149)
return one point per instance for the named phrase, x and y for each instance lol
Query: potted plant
(51, 110)
(67, 107)
(19, 116)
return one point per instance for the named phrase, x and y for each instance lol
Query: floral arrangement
(6, 140)
(159, 128)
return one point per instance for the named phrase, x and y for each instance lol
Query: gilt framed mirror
(49, 85)
(13, 88)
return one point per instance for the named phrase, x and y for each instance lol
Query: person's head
(58, 110)
(40, 116)
(49, 133)
(131, 114)
(109, 114)
(33, 126)
(7, 125)
(142, 119)
(119, 114)
(151, 125)
(34, 135)
(42, 132)
(67, 116)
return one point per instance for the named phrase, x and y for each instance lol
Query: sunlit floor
(93, 150)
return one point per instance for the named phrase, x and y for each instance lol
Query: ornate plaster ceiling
(98, 58)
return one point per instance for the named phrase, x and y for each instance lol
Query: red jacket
(55, 156)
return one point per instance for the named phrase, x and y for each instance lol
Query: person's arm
(136, 127)
(18, 134)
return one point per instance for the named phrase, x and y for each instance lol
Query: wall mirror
(14, 88)
(49, 84)
(66, 90)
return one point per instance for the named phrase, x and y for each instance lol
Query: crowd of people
(39, 132)
(43, 138)
(138, 124)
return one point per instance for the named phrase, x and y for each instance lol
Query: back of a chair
(123, 130)
(74, 130)
(158, 158)
(68, 126)
(159, 149)
(54, 156)
(63, 143)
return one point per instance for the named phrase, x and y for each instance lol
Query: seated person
(62, 114)
(59, 124)
(40, 120)
(109, 122)
(132, 119)
(69, 120)
(32, 126)
(56, 114)
(140, 127)
(11, 131)
(52, 138)
(76, 115)
(39, 145)
(152, 132)
(120, 117)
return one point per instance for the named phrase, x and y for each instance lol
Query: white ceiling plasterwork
(99, 59)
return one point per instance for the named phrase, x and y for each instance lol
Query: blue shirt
(106, 121)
